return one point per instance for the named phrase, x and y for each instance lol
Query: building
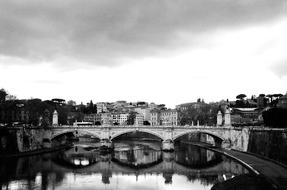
(152, 106)
(282, 101)
(155, 117)
(116, 118)
(145, 112)
(245, 115)
(102, 107)
(169, 117)
(106, 118)
(139, 119)
(164, 117)
(93, 118)
(123, 118)
(186, 106)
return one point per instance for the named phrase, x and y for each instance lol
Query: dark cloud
(102, 32)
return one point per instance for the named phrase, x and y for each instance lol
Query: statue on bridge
(55, 118)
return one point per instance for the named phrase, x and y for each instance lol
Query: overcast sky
(162, 51)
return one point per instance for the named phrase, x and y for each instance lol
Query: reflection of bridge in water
(215, 167)
(85, 162)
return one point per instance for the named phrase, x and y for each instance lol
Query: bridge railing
(139, 126)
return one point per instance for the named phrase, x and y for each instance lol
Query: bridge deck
(274, 172)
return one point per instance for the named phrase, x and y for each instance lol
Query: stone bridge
(219, 136)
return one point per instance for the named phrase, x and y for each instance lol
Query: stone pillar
(106, 145)
(19, 136)
(219, 118)
(227, 117)
(55, 118)
(197, 122)
(218, 142)
(167, 145)
(168, 157)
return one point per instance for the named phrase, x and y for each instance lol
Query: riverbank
(35, 152)
(275, 173)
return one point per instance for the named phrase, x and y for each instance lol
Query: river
(132, 165)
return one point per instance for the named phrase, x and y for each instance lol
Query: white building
(123, 118)
(169, 117)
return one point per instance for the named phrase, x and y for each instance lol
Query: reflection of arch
(69, 165)
(207, 165)
(59, 135)
(69, 158)
(137, 167)
(113, 136)
(218, 140)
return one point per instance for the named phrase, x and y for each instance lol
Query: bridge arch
(217, 139)
(75, 132)
(113, 136)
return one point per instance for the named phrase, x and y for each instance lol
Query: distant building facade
(155, 117)
(164, 117)
(245, 116)
(93, 118)
(139, 119)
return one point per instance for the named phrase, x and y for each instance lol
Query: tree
(97, 123)
(91, 108)
(46, 119)
(206, 114)
(146, 123)
(275, 117)
(71, 103)
(3, 95)
(241, 96)
(131, 118)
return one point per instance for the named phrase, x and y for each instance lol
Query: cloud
(280, 68)
(107, 32)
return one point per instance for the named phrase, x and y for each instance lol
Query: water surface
(133, 165)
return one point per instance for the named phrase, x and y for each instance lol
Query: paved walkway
(274, 172)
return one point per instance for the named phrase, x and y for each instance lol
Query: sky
(161, 51)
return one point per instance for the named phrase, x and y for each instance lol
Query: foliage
(36, 108)
(97, 123)
(131, 118)
(206, 115)
(146, 123)
(71, 103)
(91, 108)
(3, 95)
(275, 117)
(241, 96)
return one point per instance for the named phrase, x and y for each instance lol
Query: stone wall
(269, 143)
